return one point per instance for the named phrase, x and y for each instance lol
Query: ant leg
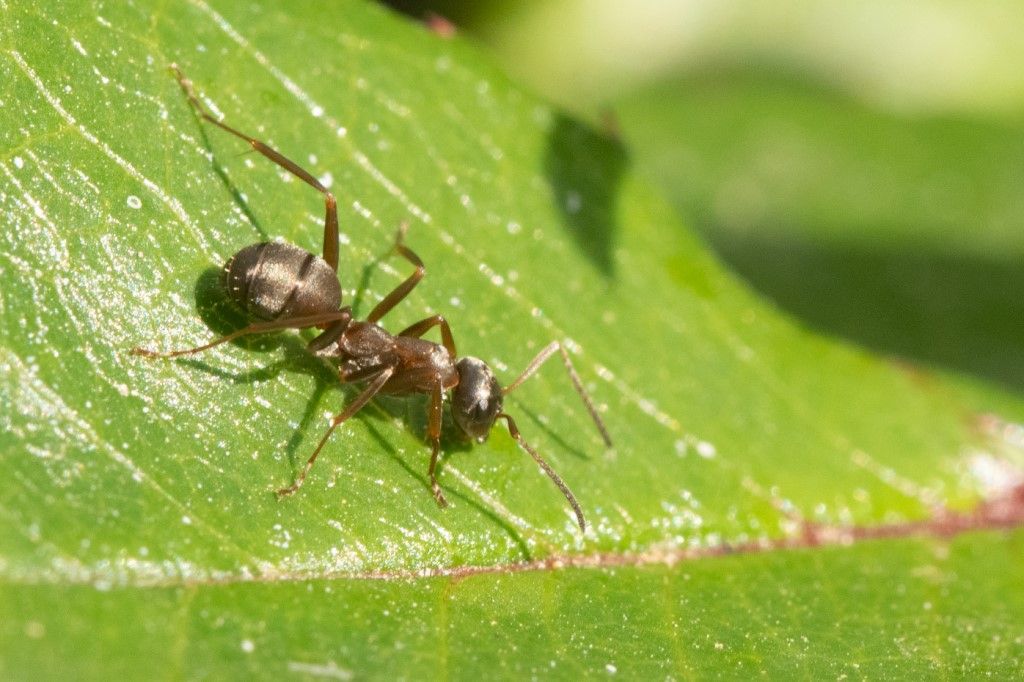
(513, 431)
(403, 289)
(541, 358)
(257, 328)
(330, 248)
(356, 405)
(423, 326)
(331, 334)
(434, 432)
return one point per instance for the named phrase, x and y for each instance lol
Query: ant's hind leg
(330, 248)
(257, 328)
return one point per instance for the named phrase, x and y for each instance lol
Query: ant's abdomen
(274, 280)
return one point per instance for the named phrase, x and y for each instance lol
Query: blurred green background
(860, 163)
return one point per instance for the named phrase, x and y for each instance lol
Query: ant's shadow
(551, 433)
(412, 411)
(584, 167)
(223, 316)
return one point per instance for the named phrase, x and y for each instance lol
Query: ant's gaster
(288, 288)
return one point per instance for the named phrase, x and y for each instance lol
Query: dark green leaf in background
(902, 232)
(141, 535)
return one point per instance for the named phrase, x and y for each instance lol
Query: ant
(287, 287)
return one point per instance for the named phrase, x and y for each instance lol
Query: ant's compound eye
(477, 400)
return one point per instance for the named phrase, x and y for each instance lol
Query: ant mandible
(290, 288)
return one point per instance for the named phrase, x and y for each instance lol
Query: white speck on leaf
(994, 476)
(329, 670)
(706, 449)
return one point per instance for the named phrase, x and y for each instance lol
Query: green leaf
(142, 537)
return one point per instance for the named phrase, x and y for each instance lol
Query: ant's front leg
(434, 432)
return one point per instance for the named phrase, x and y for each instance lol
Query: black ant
(290, 288)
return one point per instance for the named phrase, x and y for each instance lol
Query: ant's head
(477, 400)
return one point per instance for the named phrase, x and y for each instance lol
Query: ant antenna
(541, 358)
(514, 432)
